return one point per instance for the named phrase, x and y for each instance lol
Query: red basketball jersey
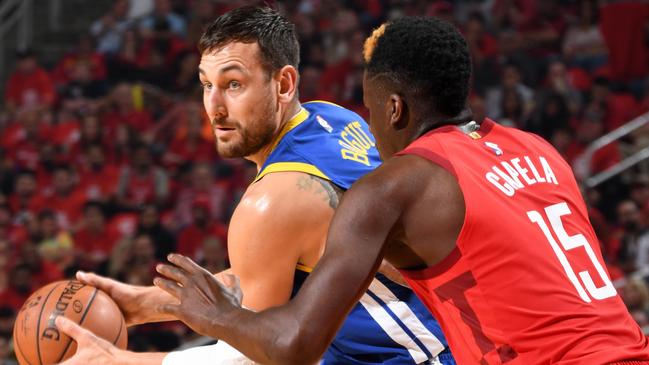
(526, 283)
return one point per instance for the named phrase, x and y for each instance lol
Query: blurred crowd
(107, 162)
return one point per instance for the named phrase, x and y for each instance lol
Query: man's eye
(234, 84)
(206, 85)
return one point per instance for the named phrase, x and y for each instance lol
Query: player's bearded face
(248, 136)
(240, 99)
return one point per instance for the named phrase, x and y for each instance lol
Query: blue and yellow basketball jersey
(327, 141)
(389, 325)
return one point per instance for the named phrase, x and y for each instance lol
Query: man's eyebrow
(224, 69)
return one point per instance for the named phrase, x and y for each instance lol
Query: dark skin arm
(368, 219)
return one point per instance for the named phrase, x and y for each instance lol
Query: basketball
(36, 338)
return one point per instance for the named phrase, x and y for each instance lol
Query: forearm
(150, 298)
(269, 337)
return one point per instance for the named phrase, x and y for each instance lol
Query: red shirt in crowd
(190, 241)
(32, 88)
(99, 185)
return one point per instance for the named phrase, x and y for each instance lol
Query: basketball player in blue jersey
(307, 155)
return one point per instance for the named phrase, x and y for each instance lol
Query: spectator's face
(213, 250)
(143, 250)
(25, 185)
(49, 227)
(242, 99)
(142, 158)
(94, 219)
(62, 181)
(149, 217)
(599, 93)
(122, 96)
(27, 65)
(96, 157)
(200, 215)
(511, 77)
(81, 72)
(202, 177)
(90, 127)
(21, 279)
(629, 216)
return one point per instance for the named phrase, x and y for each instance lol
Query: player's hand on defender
(203, 299)
(137, 303)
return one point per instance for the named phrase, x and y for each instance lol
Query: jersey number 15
(586, 288)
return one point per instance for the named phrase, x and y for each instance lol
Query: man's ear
(287, 81)
(397, 111)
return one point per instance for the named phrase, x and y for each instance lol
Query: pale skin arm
(269, 234)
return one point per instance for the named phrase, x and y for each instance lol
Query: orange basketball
(37, 341)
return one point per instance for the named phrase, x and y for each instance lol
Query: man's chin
(232, 151)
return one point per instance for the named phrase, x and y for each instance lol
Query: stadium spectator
(163, 11)
(583, 45)
(150, 224)
(94, 242)
(109, 29)
(201, 187)
(191, 238)
(29, 85)
(142, 181)
(215, 256)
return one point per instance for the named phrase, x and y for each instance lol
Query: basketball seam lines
(38, 325)
(121, 325)
(80, 322)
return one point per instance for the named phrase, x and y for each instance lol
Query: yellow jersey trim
(294, 122)
(323, 101)
(303, 268)
(291, 167)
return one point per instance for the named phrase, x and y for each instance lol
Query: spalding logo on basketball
(37, 341)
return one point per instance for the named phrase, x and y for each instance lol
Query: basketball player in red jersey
(486, 224)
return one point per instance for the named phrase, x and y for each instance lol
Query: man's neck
(259, 158)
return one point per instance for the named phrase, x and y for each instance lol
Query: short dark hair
(426, 55)
(275, 35)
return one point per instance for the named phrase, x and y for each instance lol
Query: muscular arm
(281, 221)
(298, 333)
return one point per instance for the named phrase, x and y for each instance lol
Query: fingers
(95, 280)
(174, 273)
(71, 329)
(184, 262)
(169, 286)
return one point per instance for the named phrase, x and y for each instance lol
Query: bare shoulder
(404, 178)
(302, 190)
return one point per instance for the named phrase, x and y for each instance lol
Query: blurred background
(107, 162)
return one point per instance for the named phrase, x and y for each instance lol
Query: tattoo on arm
(324, 188)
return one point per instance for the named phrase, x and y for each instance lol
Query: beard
(250, 139)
